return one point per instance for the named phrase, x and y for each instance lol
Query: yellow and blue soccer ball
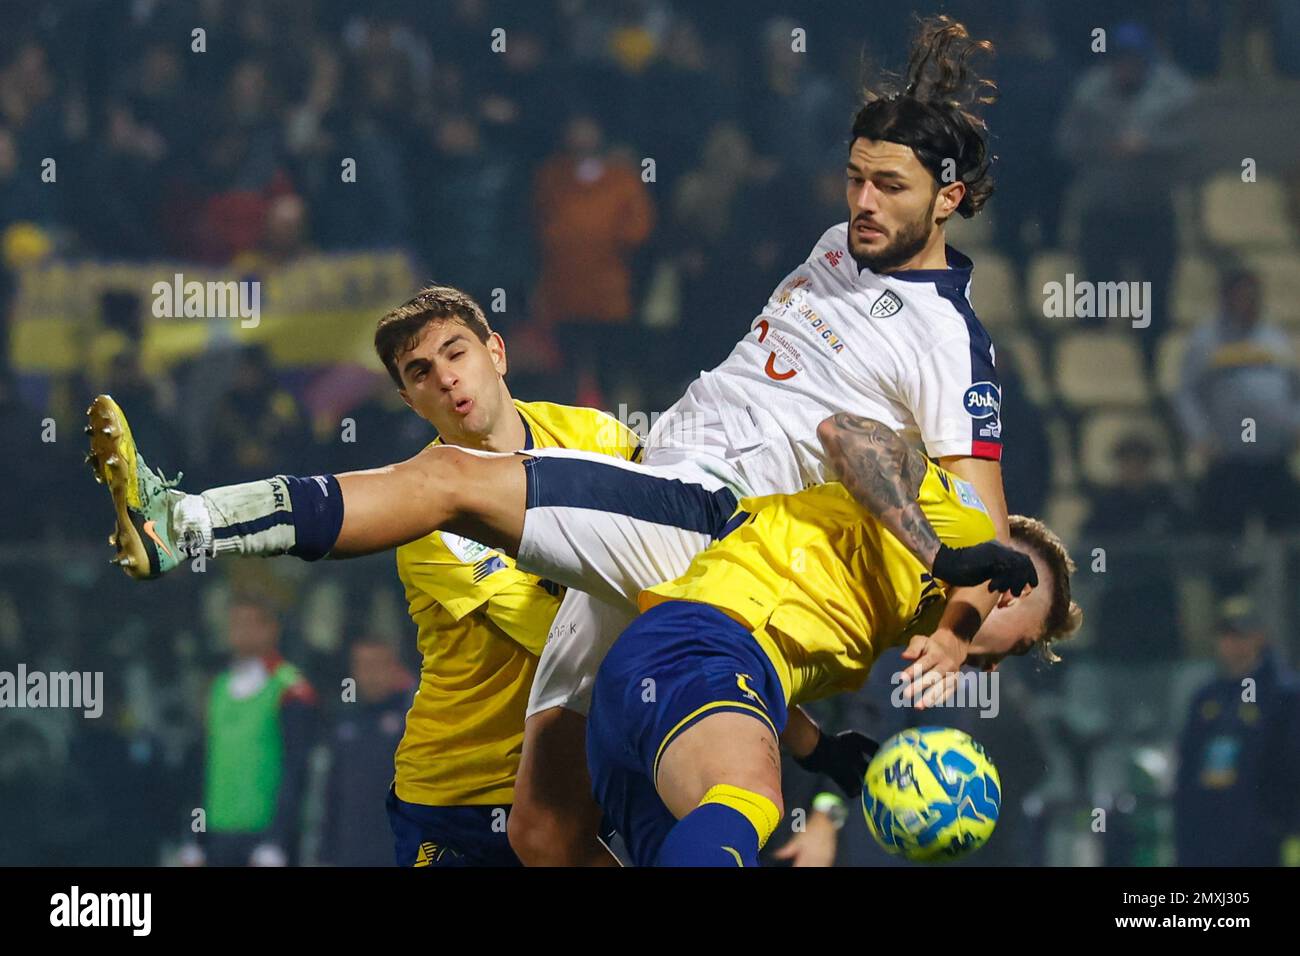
(931, 794)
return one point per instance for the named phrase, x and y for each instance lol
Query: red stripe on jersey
(986, 449)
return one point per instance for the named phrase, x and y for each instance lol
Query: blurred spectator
(258, 425)
(261, 714)
(1239, 767)
(1124, 130)
(1032, 84)
(355, 829)
(1239, 405)
(30, 132)
(592, 212)
(480, 238)
(1138, 614)
(796, 114)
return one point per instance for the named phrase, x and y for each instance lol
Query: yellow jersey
(482, 624)
(822, 585)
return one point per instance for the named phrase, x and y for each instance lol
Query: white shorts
(609, 528)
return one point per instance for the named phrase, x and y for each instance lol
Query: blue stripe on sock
(263, 523)
(592, 485)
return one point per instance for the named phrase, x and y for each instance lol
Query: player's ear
(950, 197)
(1007, 599)
(496, 346)
(406, 398)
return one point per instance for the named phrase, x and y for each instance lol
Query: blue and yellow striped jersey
(482, 624)
(823, 586)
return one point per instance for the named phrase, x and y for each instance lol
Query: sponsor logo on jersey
(886, 305)
(824, 331)
(834, 257)
(982, 400)
(798, 282)
(968, 496)
(464, 549)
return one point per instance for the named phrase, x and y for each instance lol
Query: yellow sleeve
(524, 610)
(954, 509)
(458, 574)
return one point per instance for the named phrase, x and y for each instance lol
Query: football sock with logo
(728, 828)
(281, 515)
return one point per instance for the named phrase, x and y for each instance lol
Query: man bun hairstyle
(934, 109)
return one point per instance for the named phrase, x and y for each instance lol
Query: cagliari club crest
(888, 304)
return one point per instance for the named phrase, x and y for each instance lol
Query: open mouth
(463, 406)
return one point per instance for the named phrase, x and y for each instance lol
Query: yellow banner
(317, 310)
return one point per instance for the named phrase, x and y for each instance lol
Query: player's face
(1015, 625)
(254, 631)
(893, 203)
(454, 381)
(372, 666)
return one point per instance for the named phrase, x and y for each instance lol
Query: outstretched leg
(476, 494)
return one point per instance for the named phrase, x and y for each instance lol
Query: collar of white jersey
(955, 277)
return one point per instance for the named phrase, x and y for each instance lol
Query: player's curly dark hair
(934, 109)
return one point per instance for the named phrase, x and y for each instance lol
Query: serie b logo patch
(888, 304)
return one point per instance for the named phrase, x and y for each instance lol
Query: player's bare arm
(884, 476)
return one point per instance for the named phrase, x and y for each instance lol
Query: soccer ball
(931, 793)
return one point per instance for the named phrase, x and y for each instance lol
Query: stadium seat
(1245, 215)
(1279, 273)
(993, 288)
(1169, 360)
(1049, 266)
(1196, 289)
(1066, 513)
(1065, 473)
(1100, 368)
(1100, 432)
(1029, 360)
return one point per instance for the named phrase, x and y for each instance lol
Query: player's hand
(815, 846)
(1003, 567)
(843, 758)
(938, 658)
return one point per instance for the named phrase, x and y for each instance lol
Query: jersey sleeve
(956, 399)
(525, 610)
(460, 576)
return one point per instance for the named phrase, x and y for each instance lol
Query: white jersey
(905, 349)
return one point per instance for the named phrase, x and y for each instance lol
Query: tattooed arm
(884, 476)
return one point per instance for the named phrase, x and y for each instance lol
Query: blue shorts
(449, 836)
(676, 664)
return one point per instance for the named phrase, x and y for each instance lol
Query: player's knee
(446, 473)
(543, 836)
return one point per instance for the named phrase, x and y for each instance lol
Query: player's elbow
(834, 431)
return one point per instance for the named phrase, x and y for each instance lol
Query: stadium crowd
(629, 181)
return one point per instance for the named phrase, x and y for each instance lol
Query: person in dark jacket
(355, 831)
(1239, 767)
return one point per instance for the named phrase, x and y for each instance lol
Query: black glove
(843, 758)
(1005, 568)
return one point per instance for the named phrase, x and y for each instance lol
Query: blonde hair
(1063, 615)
